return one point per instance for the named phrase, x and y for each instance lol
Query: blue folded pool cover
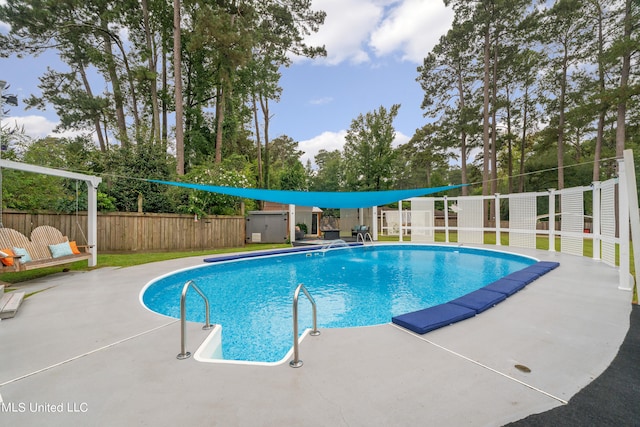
(428, 319)
(506, 286)
(480, 300)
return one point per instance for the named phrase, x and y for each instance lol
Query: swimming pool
(356, 286)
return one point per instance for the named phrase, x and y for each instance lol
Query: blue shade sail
(347, 200)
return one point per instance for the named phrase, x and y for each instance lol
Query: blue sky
(373, 46)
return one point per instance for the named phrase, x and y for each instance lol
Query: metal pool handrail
(364, 237)
(296, 362)
(335, 244)
(183, 318)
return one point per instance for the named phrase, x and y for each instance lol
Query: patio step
(9, 303)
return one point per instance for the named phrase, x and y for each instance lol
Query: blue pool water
(356, 286)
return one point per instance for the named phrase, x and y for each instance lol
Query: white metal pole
(92, 219)
(446, 219)
(400, 219)
(634, 212)
(595, 219)
(497, 205)
(374, 214)
(623, 225)
(552, 220)
(292, 223)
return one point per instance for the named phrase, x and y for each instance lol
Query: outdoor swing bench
(46, 248)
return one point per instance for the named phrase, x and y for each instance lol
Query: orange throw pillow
(74, 247)
(8, 259)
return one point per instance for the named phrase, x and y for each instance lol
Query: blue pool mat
(547, 264)
(524, 275)
(506, 286)
(428, 319)
(480, 300)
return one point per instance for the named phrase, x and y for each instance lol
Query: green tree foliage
(203, 203)
(32, 192)
(552, 76)
(517, 79)
(330, 173)
(368, 154)
(447, 76)
(286, 169)
(423, 159)
(231, 52)
(125, 172)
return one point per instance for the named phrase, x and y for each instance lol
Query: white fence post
(552, 220)
(629, 218)
(623, 225)
(595, 219)
(497, 218)
(400, 220)
(446, 219)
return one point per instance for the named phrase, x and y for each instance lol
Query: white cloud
(353, 28)
(328, 141)
(38, 127)
(346, 29)
(400, 139)
(321, 101)
(413, 28)
(34, 126)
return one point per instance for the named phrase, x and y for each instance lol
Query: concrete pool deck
(85, 346)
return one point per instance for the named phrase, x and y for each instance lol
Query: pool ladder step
(296, 362)
(184, 354)
(9, 303)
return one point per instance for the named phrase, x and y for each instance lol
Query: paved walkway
(610, 400)
(85, 352)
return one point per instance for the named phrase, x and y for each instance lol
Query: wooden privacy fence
(132, 231)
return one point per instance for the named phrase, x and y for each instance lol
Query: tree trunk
(155, 122)
(165, 125)
(561, 113)
(485, 114)
(129, 74)
(96, 117)
(177, 72)
(264, 104)
(485, 120)
(117, 91)
(603, 107)
(524, 137)
(220, 105)
(258, 143)
(494, 127)
(624, 83)
(463, 138)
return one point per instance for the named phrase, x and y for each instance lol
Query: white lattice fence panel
(522, 220)
(422, 221)
(572, 211)
(469, 218)
(608, 221)
(391, 223)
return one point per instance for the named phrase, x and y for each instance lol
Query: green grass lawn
(128, 260)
